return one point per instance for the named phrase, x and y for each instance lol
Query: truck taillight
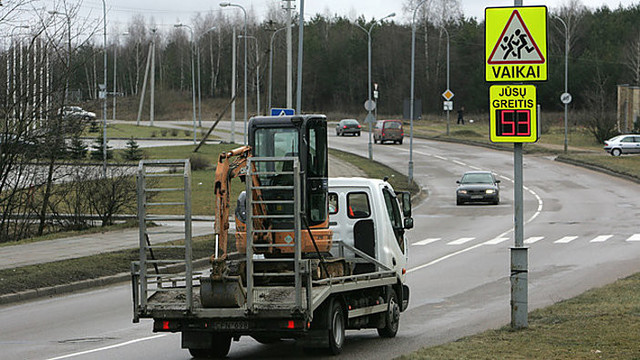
(166, 325)
(293, 324)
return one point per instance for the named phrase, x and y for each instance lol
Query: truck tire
(336, 328)
(392, 317)
(221, 345)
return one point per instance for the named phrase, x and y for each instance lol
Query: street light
(413, 76)
(104, 98)
(566, 78)
(226, 4)
(199, 88)
(193, 80)
(271, 61)
(115, 75)
(448, 88)
(369, 75)
(257, 72)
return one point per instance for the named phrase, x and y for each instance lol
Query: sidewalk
(91, 244)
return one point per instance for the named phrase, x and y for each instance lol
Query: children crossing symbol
(516, 45)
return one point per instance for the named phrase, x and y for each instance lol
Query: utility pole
(153, 77)
(233, 87)
(289, 7)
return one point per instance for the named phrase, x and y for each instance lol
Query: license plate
(476, 197)
(230, 325)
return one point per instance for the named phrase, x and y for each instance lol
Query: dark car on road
(478, 186)
(388, 130)
(348, 126)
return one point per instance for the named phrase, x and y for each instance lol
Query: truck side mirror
(406, 203)
(408, 223)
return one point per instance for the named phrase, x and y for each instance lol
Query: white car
(77, 112)
(623, 144)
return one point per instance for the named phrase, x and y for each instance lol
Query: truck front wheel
(336, 327)
(392, 317)
(221, 343)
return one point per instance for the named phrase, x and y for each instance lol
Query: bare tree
(602, 118)
(633, 58)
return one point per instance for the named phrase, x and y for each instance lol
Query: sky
(171, 11)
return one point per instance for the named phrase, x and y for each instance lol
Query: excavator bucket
(224, 293)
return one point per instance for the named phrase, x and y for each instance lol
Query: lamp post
(271, 62)
(413, 76)
(257, 72)
(199, 87)
(369, 74)
(226, 4)
(193, 80)
(104, 98)
(566, 80)
(115, 75)
(448, 88)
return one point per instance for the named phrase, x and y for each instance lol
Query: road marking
(601, 238)
(425, 241)
(565, 240)
(461, 241)
(496, 241)
(474, 167)
(533, 239)
(114, 346)
(634, 237)
(433, 262)
(440, 157)
(459, 162)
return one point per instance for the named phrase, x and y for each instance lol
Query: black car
(348, 126)
(478, 186)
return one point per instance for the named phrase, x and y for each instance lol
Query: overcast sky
(171, 11)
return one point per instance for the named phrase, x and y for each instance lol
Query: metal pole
(115, 77)
(369, 87)
(104, 100)
(413, 75)
(448, 85)
(199, 87)
(271, 62)
(566, 81)
(233, 87)
(152, 100)
(519, 257)
(289, 57)
(300, 53)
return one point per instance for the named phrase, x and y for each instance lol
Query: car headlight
(490, 191)
(462, 191)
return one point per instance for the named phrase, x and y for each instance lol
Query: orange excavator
(278, 138)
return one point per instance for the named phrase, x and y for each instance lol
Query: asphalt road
(581, 227)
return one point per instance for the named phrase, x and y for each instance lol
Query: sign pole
(519, 257)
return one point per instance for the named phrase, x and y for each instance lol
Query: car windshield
(350, 122)
(392, 125)
(477, 178)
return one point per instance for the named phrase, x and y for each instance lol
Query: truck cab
(370, 216)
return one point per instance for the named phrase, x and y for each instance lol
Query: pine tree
(133, 151)
(77, 149)
(96, 152)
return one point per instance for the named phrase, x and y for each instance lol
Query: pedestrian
(461, 116)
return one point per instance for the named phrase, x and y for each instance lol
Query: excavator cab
(304, 137)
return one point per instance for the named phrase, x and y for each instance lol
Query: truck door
(395, 217)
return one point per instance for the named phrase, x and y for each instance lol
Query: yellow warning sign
(516, 44)
(512, 113)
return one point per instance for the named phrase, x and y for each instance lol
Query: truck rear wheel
(392, 317)
(337, 324)
(221, 343)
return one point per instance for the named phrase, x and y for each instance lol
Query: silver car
(478, 186)
(348, 126)
(623, 144)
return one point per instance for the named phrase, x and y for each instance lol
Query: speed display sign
(513, 115)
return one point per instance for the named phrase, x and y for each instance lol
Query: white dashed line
(533, 239)
(634, 237)
(601, 238)
(425, 241)
(461, 241)
(565, 240)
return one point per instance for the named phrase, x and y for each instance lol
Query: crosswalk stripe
(461, 241)
(496, 241)
(425, 241)
(565, 240)
(634, 237)
(601, 238)
(533, 239)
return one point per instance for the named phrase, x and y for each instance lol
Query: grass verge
(89, 267)
(602, 323)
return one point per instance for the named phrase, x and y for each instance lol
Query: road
(580, 227)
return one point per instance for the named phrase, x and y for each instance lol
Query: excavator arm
(226, 170)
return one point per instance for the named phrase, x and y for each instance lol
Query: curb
(51, 291)
(598, 169)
